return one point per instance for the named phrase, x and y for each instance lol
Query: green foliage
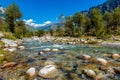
(59, 32)
(69, 27)
(97, 23)
(9, 35)
(51, 32)
(40, 33)
(12, 13)
(20, 30)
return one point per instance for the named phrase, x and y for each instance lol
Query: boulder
(48, 71)
(40, 53)
(115, 56)
(30, 72)
(47, 50)
(12, 49)
(102, 61)
(90, 73)
(9, 64)
(86, 57)
(55, 50)
(21, 47)
(9, 43)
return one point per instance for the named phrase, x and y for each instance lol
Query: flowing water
(67, 56)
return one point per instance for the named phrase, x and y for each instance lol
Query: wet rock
(90, 73)
(48, 62)
(100, 76)
(21, 47)
(55, 50)
(47, 50)
(30, 72)
(40, 53)
(111, 70)
(102, 61)
(115, 56)
(86, 57)
(48, 71)
(10, 64)
(12, 49)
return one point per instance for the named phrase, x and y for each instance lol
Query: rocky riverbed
(51, 59)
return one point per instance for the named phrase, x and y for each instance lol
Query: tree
(51, 32)
(116, 19)
(69, 27)
(97, 23)
(20, 29)
(108, 18)
(80, 22)
(59, 31)
(12, 13)
(40, 33)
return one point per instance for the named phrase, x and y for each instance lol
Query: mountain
(109, 5)
(30, 28)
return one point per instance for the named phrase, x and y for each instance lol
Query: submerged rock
(48, 71)
(102, 61)
(9, 64)
(30, 72)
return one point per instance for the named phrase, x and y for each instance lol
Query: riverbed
(67, 58)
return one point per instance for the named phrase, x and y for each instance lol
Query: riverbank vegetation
(93, 24)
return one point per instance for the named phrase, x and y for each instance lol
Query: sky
(42, 12)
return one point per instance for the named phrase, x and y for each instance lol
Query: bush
(9, 35)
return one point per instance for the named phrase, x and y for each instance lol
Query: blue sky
(46, 11)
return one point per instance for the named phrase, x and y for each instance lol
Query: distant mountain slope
(109, 5)
(30, 28)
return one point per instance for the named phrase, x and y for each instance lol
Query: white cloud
(32, 23)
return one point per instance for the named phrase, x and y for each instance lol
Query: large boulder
(48, 71)
(30, 72)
